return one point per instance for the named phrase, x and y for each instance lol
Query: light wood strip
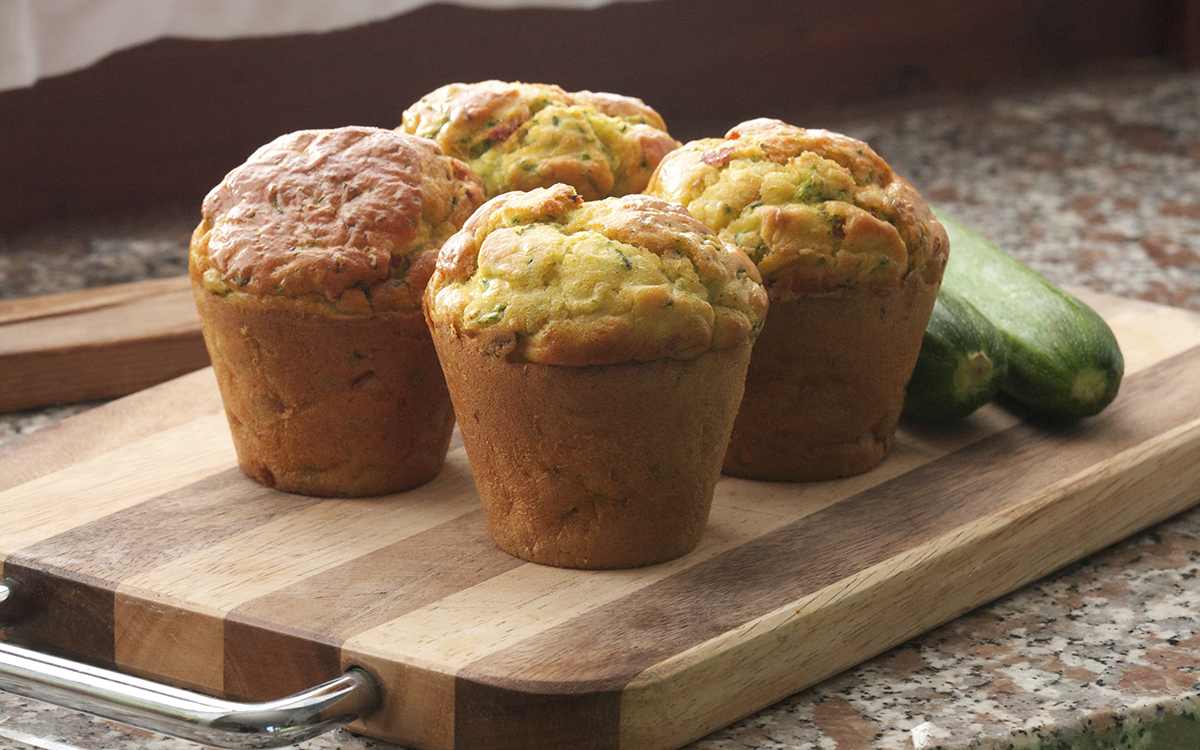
(1148, 333)
(152, 634)
(265, 555)
(166, 527)
(108, 427)
(48, 306)
(365, 591)
(168, 639)
(106, 483)
(356, 595)
(509, 607)
(418, 709)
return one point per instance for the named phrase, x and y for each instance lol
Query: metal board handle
(174, 711)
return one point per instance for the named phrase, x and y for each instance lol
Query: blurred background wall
(165, 119)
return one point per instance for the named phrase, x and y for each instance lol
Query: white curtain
(44, 38)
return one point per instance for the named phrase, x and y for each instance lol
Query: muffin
(308, 268)
(852, 260)
(595, 354)
(520, 136)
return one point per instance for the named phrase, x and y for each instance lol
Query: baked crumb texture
(548, 277)
(520, 136)
(596, 354)
(852, 259)
(308, 268)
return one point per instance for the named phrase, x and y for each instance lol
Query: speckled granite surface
(1093, 181)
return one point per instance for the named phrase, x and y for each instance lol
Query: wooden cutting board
(149, 551)
(97, 343)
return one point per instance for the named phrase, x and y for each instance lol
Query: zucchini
(961, 363)
(1063, 359)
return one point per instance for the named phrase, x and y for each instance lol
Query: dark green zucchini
(961, 363)
(1063, 359)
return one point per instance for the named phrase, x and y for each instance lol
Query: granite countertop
(1094, 181)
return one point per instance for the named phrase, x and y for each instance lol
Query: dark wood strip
(489, 719)
(263, 661)
(71, 616)
(604, 648)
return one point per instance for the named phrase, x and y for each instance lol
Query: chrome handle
(174, 711)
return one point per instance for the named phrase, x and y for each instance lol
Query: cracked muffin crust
(350, 218)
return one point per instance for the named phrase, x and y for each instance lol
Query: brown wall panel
(167, 119)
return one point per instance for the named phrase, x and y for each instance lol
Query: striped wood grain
(149, 551)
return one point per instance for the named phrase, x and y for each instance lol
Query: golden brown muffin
(595, 353)
(520, 136)
(308, 268)
(852, 259)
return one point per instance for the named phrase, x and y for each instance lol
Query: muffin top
(350, 219)
(554, 279)
(819, 213)
(520, 136)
